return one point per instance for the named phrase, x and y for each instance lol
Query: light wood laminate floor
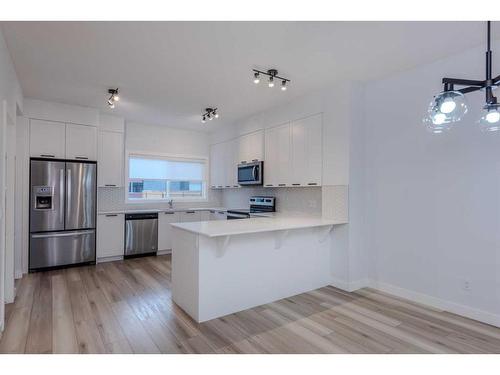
(126, 307)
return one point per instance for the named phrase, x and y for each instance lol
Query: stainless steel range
(62, 213)
(259, 206)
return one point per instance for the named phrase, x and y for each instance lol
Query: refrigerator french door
(62, 213)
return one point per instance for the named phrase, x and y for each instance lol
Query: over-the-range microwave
(251, 173)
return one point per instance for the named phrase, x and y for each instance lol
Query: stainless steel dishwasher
(141, 234)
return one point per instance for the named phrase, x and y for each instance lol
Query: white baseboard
(424, 299)
(353, 285)
(164, 252)
(441, 304)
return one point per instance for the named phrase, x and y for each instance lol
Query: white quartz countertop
(220, 228)
(143, 210)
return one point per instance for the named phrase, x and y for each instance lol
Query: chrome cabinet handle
(81, 157)
(169, 213)
(295, 184)
(110, 185)
(47, 156)
(312, 183)
(281, 184)
(111, 215)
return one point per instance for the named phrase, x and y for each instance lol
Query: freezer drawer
(141, 234)
(61, 248)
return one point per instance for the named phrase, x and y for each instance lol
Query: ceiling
(168, 72)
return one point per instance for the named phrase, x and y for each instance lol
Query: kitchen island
(221, 267)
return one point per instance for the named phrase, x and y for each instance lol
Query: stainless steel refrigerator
(62, 213)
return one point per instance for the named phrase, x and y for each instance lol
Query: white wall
(11, 101)
(432, 202)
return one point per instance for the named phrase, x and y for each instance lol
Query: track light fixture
(272, 74)
(210, 114)
(449, 106)
(113, 98)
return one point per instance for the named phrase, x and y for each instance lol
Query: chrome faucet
(171, 203)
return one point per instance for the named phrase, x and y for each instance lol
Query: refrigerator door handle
(68, 192)
(61, 196)
(64, 234)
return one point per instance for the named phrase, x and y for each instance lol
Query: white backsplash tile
(113, 199)
(288, 200)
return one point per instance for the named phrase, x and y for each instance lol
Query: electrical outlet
(466, 285)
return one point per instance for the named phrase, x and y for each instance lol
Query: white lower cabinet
(189, 216)
(165, 230)
(205, 216)
(110, 235)
(218, 215)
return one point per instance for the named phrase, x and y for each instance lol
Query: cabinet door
(165, 230)
(277, 166)
(110, 235)
(250, 147)
(111, 155)
(205, 216)
(81, 142)
(217, 166)
(189, 216)
(47, 139)
(231, 163)
(306, 150)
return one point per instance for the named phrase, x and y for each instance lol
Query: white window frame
(172, 157)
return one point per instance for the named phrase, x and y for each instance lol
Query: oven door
(250, 174)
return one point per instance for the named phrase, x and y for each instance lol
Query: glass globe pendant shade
(446, 108)
(490, 121)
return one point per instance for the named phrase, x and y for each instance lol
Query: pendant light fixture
(449, 106)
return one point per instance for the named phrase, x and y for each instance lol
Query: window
(158, 177)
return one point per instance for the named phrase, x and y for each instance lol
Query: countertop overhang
(254, 225)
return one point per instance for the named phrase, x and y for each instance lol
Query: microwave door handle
(254, 173)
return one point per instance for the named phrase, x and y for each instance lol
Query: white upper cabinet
(47, 139)
(306, 151)
(231, 164)
(81, 142)
(277, 165)
(53, 139)
(250, 147)
(217, 166)
(111, 159)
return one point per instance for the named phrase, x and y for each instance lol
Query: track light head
(283, 85)
(203, 119)
(271, 81)
(256, 78)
